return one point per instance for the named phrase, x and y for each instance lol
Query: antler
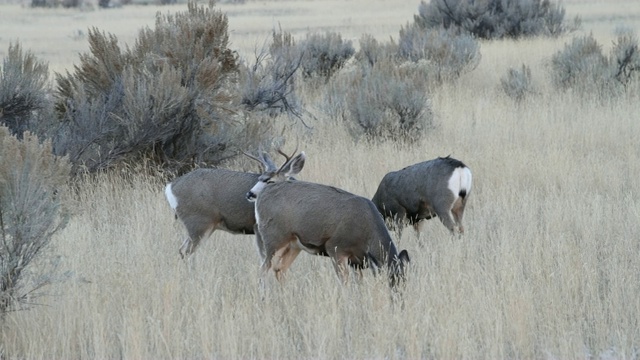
(286, 156)
(264, 160)
(252, 157)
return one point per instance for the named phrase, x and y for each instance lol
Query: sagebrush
(496, 19)
(171, 99)
(32, 210)
(23, 90)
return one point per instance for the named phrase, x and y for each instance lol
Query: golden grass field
(549, 265)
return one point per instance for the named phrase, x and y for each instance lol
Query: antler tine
(252, 157)
(266, 165)
(283, 154)
(286, 156)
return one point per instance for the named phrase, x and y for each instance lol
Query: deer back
(323, 216)
(216, 194)
(426, 181)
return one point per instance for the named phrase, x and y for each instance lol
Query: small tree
(32, 181)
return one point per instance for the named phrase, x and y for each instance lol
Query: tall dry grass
(548, 266)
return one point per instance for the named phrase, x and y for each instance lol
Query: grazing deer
(206, 200)
(295, 215)
(438, 187)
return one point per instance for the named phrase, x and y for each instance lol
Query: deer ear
(268, 163)
(295, 165)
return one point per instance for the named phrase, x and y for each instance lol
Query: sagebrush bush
(23, 90)
(32, 182)
(449, 53)
(625, 57)
(59, 3)
(496, 19)
(517, 83)
(381, 102)
(371, 50)
(324, 54)
(269, 84)
(583, 66)
(172, 98)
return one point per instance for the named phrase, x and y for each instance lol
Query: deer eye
(270, 181)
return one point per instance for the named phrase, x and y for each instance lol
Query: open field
(549, 266)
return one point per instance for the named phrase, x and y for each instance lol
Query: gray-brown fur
(422, 191)
(213, 199)
(294, 216)
(206, 200)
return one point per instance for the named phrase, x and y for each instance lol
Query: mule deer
(295, 215)
(438, 187)
(206, 200)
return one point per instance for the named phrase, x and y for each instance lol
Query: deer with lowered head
(206, 200)
(292, 216)
(438, 187)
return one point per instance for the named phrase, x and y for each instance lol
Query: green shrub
(23, 90)
(32, 181)
(171, 99)
(324, 54)
(495, 19)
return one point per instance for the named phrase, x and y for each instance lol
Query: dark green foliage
(583, 66)
(23, 90)
(32, 182)
(324, 54)
(495, 19)
(448, 53)
(517, 83)
(269, 83)
(169, 99)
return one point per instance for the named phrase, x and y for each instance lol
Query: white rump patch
(460, 180)
(173, 201)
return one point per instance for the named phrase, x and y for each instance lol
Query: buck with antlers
(206, 200)
(438, 187)
(295, 215)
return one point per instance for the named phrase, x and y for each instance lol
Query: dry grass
(548, 267)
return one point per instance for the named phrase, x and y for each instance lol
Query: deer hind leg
(288, 255)
(458, 211)
(197, 231)
(442, 209)
(340, 262)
